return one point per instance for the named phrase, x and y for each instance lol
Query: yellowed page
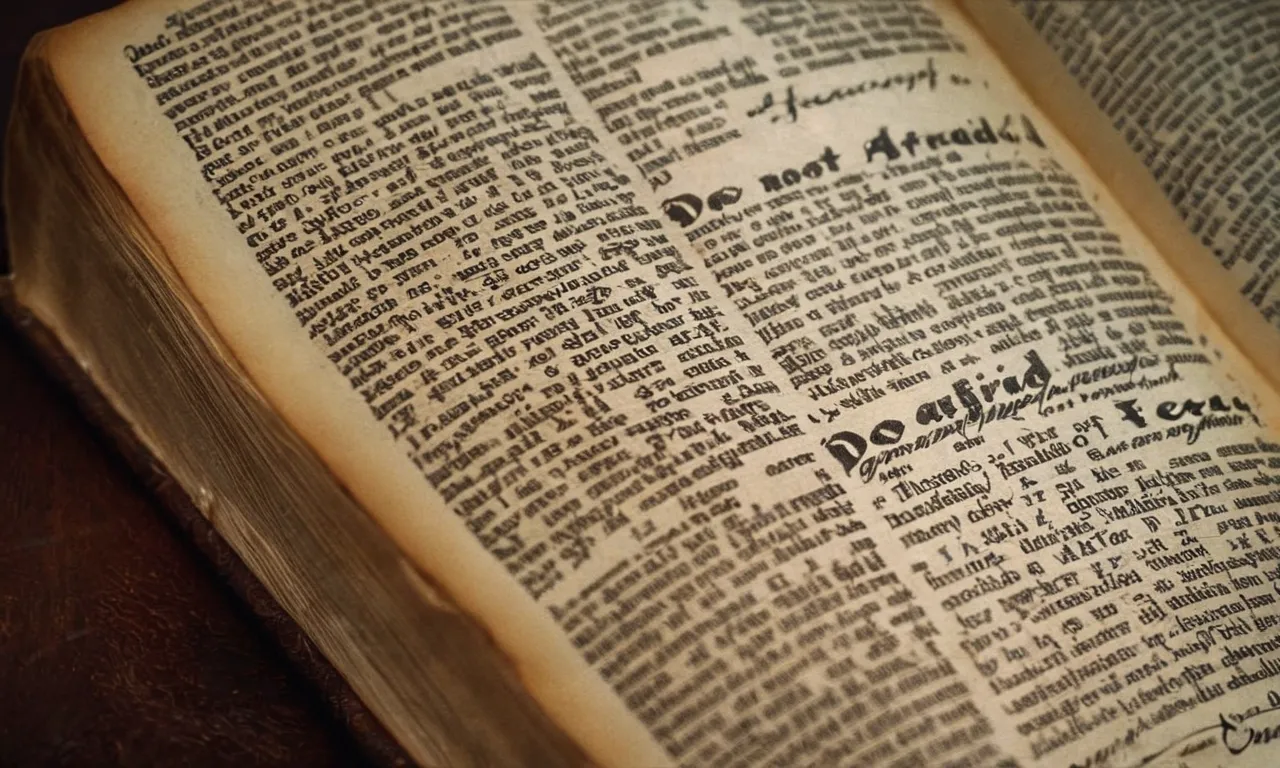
(1056, 92)
(118, 116)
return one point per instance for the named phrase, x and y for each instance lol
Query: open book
(773, 384)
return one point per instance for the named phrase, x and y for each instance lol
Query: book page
(1185, 139)
(774, 382)
(1192, 87)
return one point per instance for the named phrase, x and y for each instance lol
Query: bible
(688, 382)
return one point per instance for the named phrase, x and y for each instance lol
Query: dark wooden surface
(119, 643)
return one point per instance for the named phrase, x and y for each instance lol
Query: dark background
(119, 643)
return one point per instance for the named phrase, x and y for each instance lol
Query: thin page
(1172, 104)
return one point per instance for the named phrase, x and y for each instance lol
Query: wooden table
(119, 644)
